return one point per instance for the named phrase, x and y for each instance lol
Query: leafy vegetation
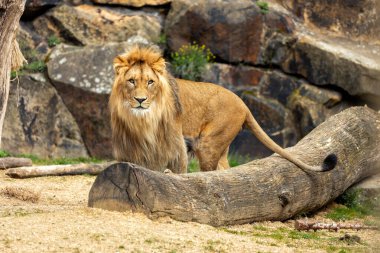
(162, 39)
(233, 159)
(193, 166)
(352, 205)
(63, 160)
(190, 61)
(264, 7)
(53, 41)
(35, 66)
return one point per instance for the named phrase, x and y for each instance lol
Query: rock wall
(294, 65)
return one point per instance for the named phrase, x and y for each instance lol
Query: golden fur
(152, 113)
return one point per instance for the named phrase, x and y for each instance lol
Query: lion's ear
(119, 62)
(159, 65)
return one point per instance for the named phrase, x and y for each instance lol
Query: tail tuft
(330, 162)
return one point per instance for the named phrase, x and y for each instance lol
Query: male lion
(152, 114)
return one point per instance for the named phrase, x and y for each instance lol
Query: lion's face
(139, 87)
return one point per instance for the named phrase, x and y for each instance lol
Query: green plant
(62, 160)
(353, 205)
(4, 153)
(264, 7)
(236, 159)
(342, 213)
(190, 61)
(162, 39)
(35, 66)
(53, 41)
(14, 74)
(233, 159)
(350, 198)
(193, 166)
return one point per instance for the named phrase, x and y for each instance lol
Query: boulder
(87, 25)
(133, 3)
(325, 60)
(33, 46)
(34, 8)
(356, 18)
(232, 77)
(232, 30)
(84, 83)
(37, 121)
(273, 117)
(312, 105)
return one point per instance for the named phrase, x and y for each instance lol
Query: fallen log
(266, 189)
(13, 162)
(57, 170)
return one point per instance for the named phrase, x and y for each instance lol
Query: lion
(156, 118)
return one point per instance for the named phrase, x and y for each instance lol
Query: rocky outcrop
(86, 24)
(355, 18)
(33, 46)
(37, 122)
(240, 32)
(133, 3)
(233, 32)
(324, 60)
(34, 8)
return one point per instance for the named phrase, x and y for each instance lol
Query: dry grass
(20, 193)
(61, 222)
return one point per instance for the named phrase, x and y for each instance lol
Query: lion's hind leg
(223, 161)
(211, 156)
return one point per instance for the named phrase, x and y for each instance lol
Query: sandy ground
(50, 214)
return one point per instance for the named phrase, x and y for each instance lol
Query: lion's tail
(329, 162)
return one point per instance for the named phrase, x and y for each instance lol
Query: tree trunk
(13, 162)
(10, 13)
(266, 189)
(57, 170)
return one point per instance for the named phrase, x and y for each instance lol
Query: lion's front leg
(179, 164)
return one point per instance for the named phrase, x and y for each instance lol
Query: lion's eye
(150, 82)
(131, 81)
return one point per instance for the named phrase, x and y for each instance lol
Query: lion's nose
(140, 100)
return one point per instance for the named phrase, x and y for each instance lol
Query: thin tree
(11, 57)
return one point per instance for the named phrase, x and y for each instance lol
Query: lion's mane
(151, 140)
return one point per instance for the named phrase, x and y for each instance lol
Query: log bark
(266, 189)
(10, 13)
(57, 170)
(13, 162)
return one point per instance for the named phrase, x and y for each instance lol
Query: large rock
(34, 8)
(357, 18)
(239, 32)
(33, 46)
(134, 3)
(232, 30)
(37, 121)
(274, 118)
(86, 24)
(84, 83)
(232, 77)
(325, 60)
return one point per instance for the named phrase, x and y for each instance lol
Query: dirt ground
(50, 214)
